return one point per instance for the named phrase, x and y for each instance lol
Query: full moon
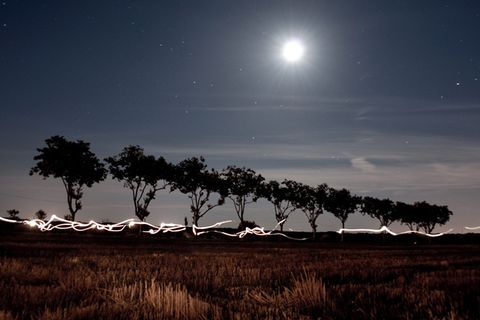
(292, 51)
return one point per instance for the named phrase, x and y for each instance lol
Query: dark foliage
(73, 163)
(311, 201)
(143, 174)
(40, 214)
(381, 209)
(192, 178)
(242, 187)
(341, 204)
(428, 215)
(13, 213)
(282, 196)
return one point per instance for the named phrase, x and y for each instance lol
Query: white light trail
(8, 220)
(473, 228)
(218, 224)
(385, 229)
(257, 231)
(62, 224)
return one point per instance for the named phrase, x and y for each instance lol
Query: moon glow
(293, 51)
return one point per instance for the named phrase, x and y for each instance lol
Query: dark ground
(64, 274)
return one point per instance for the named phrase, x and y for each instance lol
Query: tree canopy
(143, 174)
(381, 209)
(407, 214)
(242, 186)
(194, 179)
(341, 204)
(282, 196)
(429, 215)
(13, 213)
(311, 201)
(73, 163)
(40, 214)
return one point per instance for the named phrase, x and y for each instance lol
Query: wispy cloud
(362, 164)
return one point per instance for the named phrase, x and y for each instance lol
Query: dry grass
(167, 301)
(307, 296)
(235, 280)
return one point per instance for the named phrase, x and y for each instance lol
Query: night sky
(385, 101)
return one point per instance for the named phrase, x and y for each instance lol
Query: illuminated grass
(235, 280)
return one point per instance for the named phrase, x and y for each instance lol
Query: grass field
(93, 276)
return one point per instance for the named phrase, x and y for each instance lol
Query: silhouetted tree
(311, 201)
(194, 179)
(408, 215)
(40, 214)
(430, 215)
(341, 204)
(381, 209)
(143, 174)
(13, 213)
(282, 196)
(242, 187)
(73, 163)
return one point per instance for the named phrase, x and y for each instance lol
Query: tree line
(144, 175)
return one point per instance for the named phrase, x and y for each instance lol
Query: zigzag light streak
(385, 229)
(257, 231)
(62, 224)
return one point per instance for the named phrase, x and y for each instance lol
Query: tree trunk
(195, 219)
(140, 226)
(314, 230)
(240, 216)
(70, 207)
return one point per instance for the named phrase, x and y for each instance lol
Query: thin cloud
(362, 164)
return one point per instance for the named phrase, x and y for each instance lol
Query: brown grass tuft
(168, 301)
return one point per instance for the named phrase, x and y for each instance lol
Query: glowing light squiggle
(62, 224)
(218, 224)
(257, 231)
(473, 228)
(385, 229)
(163, 227)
